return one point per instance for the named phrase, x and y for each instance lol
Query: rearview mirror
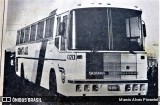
(61, 28)
(144, 30)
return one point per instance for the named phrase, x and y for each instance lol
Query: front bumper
(107, 88)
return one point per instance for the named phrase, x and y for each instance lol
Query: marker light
(86, 88)
(79, 57)
(95, 88)
(136, 6)
(135, 87)
(100, 3)
(78, 88)
(79, 5)
(128, 87)
(142, 87)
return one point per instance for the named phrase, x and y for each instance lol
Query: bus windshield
(106, 29)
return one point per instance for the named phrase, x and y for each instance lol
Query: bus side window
(49, 27)
(27, 34)
(33, 32)
(63, 36)
(58, 23)
(40, 30)
(22, 36)
(18, 36)
(65, 21)
(62, 43)
(57, 42)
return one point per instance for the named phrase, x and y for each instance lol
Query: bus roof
(64, 8)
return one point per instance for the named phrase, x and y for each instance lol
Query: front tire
(53, 83)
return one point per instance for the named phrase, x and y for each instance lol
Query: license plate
(113, 88)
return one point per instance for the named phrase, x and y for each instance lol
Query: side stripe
(41, 62)
(41, 58)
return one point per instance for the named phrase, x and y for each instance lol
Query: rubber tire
(22, 70)
(52, 83)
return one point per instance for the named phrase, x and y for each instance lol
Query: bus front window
(106, 29)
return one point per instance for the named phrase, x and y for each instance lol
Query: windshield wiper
(132, 52)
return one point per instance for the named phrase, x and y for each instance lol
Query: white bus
(92, 49)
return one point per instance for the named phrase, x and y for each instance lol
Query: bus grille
(110, 65)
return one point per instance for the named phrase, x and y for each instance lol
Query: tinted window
(18, 36)
(58, 22)
(91, 29)
(22, 36)
(40, 30)
(107, 29)
(57, 42)
(33, 32)
(62, 43)
(49, 27)
(65, 21)
(27, 34)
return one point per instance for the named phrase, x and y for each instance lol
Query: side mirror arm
(144, 29)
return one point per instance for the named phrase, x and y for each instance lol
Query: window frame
(49, 30)
(18, 37)
(33, 35)
(40, 30)
(22, 39)
(25, 41)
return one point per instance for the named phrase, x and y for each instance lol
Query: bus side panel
(80, 66)
(70, 72)
(142, 66)
(30, 68)
(34, 71)
(18, 72)
(50, 62)
(29, 59)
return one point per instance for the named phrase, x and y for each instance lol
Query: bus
(94, 49)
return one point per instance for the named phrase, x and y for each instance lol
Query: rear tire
(22, 75)
(53, 83)
(22, 70)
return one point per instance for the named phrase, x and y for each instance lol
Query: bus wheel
(52, 83)
(22, 70)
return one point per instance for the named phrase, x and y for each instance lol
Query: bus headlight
(78, 88)
(128, 87)
(142, 87)
(95, 88)
(86, 88)
(135, 87)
